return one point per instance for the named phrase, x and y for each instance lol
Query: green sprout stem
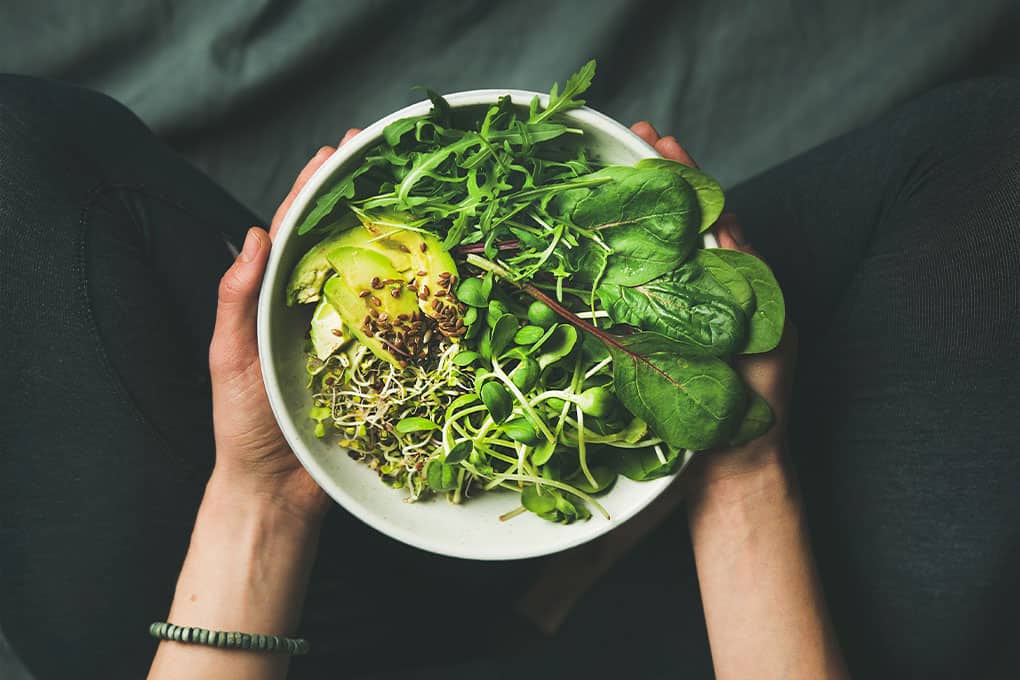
(498, 371)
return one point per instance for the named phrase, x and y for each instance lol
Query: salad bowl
(471, 529)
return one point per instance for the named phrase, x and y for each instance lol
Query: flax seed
(422, 247)
(376, 282)
(375, 301)
(364, 293)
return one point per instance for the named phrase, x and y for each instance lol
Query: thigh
(111, 252)
(899, 248)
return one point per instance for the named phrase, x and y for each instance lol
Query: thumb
(234, 347)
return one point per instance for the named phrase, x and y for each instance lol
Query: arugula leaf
(341, 189)
(559, 102)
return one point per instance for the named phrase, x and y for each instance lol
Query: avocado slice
(432, 271)
(377, 312)
(422, 265)
(328, 332)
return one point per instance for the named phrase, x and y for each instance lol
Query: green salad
(494, 308)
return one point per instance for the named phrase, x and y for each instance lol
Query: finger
(731, 235)
(234, 347)
(320, 157)
(348, 136)
(670, 148)
(645, 131)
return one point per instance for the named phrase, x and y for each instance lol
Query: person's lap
(897, 246)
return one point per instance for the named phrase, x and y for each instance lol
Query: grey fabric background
(249, 89)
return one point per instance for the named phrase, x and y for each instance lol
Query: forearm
(246, 570)
(764, 606)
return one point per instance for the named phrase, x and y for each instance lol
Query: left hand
(253, 460)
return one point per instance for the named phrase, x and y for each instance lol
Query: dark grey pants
(898, 247)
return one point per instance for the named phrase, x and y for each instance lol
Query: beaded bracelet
(224, 640)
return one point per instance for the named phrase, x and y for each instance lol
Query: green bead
(274, 642)
(245, 641)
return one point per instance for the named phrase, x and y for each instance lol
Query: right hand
(769, 374)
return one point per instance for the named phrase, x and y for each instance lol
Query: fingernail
(252, 243)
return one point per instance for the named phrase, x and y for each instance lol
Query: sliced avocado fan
(393, 262)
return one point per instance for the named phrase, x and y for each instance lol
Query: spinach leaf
(644, 464)
(707, 190)
(756, 422)
(646, 218)
(705, 323)
(766, 323)
(708, 272)
(690, 402)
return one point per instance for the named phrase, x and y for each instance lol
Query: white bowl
(471, 530)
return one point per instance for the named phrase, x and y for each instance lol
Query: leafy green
(766, 323)
(707, 191)
(460, 451)
(644, 464)
(756, 422)
(414, 424)
(441, 476)
(497, 399)
(709, 272)
(704, 323)
(563, 101)
(691, 402)
(640, 225)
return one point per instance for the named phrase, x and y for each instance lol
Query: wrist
(294, 495)
(734, 476)
(247, 564)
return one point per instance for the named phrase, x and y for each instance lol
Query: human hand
(769, 374)
(253, 460)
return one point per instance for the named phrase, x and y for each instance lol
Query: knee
(41, 113)
(971, 125)
(960, 160)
